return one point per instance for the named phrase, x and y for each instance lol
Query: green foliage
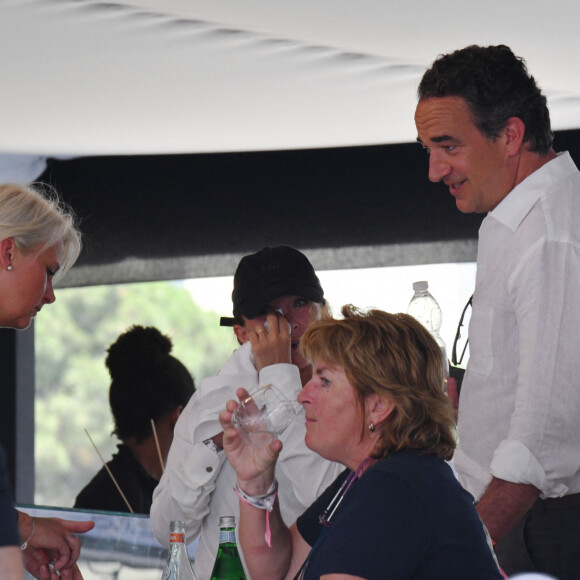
(72, 382)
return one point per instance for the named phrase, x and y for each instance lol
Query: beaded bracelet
(24, 544)
(263, 502)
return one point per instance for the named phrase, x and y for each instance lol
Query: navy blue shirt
(406, 518)
(8, 521)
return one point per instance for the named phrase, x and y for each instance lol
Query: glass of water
(264, 415)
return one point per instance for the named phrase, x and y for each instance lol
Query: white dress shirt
(198, 484)
(519, 411)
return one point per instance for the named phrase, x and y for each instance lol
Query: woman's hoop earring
(371, 426)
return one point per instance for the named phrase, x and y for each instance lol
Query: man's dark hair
(496, 85)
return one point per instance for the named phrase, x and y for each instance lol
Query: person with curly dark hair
(486, 125)
(147, 383)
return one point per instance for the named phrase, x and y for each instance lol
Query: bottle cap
(420, 286)
(228, 521)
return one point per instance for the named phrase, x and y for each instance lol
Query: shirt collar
(515, 206)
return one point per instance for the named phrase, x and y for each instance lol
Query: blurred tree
(72, 382)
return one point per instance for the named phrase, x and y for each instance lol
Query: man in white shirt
(487, 128)
(279, 287)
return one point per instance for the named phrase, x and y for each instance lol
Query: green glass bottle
(228, 564)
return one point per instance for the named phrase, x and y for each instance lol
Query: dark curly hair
(146, 381)
(496, 85)
(392, 356)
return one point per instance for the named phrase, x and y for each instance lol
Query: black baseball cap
(268, 274)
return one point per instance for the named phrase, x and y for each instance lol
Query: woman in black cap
(276, 280)
(275, 298)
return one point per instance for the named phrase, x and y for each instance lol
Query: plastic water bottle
(424, 308)
(177, 566)
(228, 564)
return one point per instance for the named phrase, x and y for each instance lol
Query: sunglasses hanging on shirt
(460, 343)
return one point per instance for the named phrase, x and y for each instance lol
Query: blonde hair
(392, 356)
(37, 219)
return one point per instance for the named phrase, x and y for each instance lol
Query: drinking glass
(264, 415)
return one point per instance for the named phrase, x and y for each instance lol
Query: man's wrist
(504, 504)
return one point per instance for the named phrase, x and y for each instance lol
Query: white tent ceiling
(94, 78)
(89, 77)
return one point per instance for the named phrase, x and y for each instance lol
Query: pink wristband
(262, 502)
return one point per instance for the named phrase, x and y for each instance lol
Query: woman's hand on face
(254, 466)
(271, 345)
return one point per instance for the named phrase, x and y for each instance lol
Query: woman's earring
(371, 426)
(9, 267)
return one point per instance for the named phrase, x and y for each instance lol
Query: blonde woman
(39, 242)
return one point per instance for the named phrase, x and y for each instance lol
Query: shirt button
(209, 469)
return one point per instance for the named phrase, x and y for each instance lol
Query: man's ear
(514, 132)
(7, 248)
